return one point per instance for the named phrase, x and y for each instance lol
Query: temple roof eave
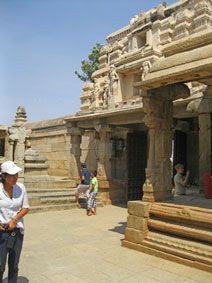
(192, 71)
(109, 113)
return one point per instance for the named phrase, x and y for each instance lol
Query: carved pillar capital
(102, 128)
(75, 131)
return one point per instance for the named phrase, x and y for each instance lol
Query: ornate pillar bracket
(75, 131)
(123, 131)
(102, 127)
(203, 104)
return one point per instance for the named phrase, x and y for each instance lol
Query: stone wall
(89, 149)
(55, 146)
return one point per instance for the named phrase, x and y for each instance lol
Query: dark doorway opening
(180, 149)
(137, 162)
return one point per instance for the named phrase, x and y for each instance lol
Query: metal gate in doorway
(137, 161)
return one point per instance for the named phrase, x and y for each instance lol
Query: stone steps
(55, 199)
(43, 208)
(50, 182)
(46, 190)
(184, 248)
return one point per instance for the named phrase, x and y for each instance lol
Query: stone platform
(175, 230)
(68, 246)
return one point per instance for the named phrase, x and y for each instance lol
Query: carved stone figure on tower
(113, 80)
(145, 69)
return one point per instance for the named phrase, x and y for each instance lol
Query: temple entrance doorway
(136, 163)
(180, 149)
(186, 148)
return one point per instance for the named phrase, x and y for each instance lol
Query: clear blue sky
(42, 43)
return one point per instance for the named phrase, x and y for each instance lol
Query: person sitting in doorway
(85, 182)
(180, 181)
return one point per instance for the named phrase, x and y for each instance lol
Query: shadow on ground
(120, 205)
(119, 229)
(21, 279)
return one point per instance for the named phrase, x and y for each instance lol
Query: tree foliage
(90, 66)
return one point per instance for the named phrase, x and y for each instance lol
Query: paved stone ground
(192, 200)
(68, 246)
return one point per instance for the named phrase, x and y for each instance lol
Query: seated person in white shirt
(180, 181)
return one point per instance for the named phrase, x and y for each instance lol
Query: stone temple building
(148, 108)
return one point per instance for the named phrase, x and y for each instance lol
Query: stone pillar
(204, 117)
(158, 107)
(158, 171)
(11, 147)
(151, 171)
(204, 147)
(104, 151)
(75, 153)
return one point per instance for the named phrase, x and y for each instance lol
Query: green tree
(90, 66)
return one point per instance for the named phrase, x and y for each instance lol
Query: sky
(42, 44)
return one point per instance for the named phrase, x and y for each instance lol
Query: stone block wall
(55, 146)
(89, 151)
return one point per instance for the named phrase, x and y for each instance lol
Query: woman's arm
(92, 188)
(12, 223)
(185, 182)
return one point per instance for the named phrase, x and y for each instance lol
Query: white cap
(9, 167)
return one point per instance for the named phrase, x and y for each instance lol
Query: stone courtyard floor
(68, 246)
